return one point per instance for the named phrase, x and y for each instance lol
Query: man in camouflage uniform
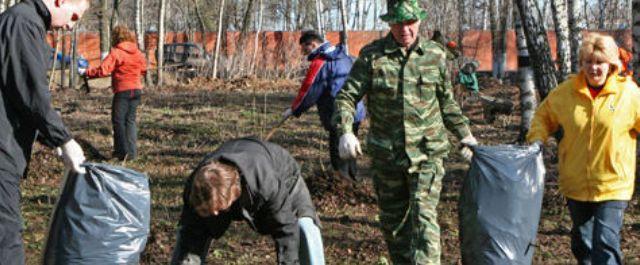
(411, 104)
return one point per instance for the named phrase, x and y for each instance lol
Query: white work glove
(82, 71)
(287, 113)
(349, 146)
(72, 155)
(468, 142)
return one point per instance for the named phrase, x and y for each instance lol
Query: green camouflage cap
(399, 11)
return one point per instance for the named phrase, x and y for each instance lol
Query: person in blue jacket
(329, 68)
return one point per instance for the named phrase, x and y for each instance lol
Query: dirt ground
(178, 125)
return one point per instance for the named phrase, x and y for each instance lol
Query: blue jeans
(595, 235)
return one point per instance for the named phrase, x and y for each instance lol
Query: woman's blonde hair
(602, 48)
(215, 185)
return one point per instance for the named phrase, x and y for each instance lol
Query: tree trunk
(239, 58)
(216, 56)
(575, 32)
(525, 78)
(160, 52)
(563, 47)
(104, 30)
(203, 27)
(343, 33)
(63, 61)
(494, 22)
(498, 35)
(636, 39)
(538, 45)
(73, 69)
(319, 17)
(139, 6)
(114, 15)
(462, 23)
(255, 41)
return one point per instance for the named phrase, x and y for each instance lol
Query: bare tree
(160, 49)
(104, 29)
(74, 62)
(563, 47)
(525, 78)
(319, 16)
(499, 16)
(636, 39)
(216, 55)
(343, 33)
(255, 42)
(63, 61)
(538, 46)
(114, 14)
(575, 32)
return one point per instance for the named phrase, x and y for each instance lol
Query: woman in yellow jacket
(599, 112)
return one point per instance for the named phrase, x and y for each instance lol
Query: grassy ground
(179, 125)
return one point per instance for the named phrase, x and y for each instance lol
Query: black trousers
(11, 249)
(123, 118)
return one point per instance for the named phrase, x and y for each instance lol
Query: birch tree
(343, 33)
(160, 49)
(216, 55)
(104, 29)
(525, 79)
(563, 47)
(575, 32)
(538, 46)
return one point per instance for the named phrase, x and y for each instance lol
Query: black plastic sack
(101, 217)
(500, 205)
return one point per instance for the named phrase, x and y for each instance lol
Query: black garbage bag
(101, 217)
(500, 203)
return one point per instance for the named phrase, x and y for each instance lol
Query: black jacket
(25, 109)
(273, 197)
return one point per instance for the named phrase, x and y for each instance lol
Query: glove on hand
(287, 113)
(466, 151)
(72, 155)
(349, 146)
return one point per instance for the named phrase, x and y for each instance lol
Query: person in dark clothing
(126, 64)
(252, 180)
(330, 66)
(26, 113)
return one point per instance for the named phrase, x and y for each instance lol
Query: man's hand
(349, 146)
(82, 71)
(287, 113)
(467, 143)
(72, 155)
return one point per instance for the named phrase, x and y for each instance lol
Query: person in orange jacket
(599, 111)
(126, 65)
(625, 58)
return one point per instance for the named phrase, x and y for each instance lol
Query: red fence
(278, 49)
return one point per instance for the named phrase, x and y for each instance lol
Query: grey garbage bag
(500, 203)
(101, 217)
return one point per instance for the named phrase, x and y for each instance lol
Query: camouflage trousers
(408, 216)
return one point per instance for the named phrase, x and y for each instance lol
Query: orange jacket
(126, 65)
(625, 59)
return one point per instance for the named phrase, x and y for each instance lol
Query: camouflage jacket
(410, 101)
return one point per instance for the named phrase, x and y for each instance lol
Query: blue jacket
(329, 69)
